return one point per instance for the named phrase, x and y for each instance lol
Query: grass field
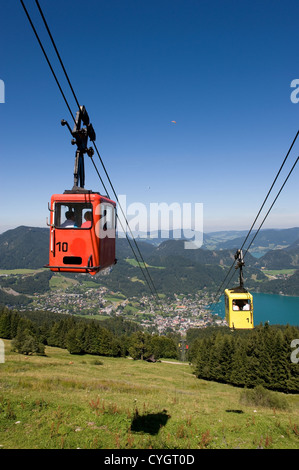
(90, 402)
(20, 271)
(276, 272)
(135, 263)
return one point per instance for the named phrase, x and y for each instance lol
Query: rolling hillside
(24, 247)
(70, 402)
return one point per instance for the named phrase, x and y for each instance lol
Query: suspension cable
(273, 183)
(290, 172)
(47, 59)
(127, 223)
(56, 50)
(260, 210)
(262, 223)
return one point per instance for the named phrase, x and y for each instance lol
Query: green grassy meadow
(19, 271)
(62, 401)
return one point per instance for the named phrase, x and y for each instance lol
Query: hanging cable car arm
(239, 265)
(80, 138)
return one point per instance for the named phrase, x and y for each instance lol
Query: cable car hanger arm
(80, 138)
(239, 265)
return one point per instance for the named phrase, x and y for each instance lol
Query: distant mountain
(124, 250)
(27, 247)
(276, 259)
(158, 236)
(267, 239)
(213, 240)
(24, 247)
(287, 286)
(172, 268)
(287, 258)
(294, 246)
(176, 248)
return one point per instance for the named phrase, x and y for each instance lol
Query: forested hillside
(286, 286)
(24, 247)
(31, 331)
(246, 358)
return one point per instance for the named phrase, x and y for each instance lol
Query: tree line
(242, 358)
(31, 332)
(247, 358)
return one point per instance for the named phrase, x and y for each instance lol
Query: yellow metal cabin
(238, 308)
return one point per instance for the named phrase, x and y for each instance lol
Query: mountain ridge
(180, 269)
(27, 247)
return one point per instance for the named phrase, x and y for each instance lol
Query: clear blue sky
(222, 70)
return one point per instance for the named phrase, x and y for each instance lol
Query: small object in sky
(174, 122)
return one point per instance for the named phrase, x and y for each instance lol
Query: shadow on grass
(150, 422)
(235, 411)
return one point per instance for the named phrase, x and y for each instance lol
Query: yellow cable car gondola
(239, 302)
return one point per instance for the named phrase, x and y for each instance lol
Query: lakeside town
(176, 314)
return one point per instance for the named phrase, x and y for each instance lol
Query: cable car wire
(127, 223)
(281, 188)
(151, 284)
(47, 59)
(260, 210)
(56, 50)
(265, 217)
(273, 183)
(152, 292)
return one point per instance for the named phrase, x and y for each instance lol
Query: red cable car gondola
(82, 232)
(82, 222)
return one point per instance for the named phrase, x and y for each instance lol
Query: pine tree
(54, 336)
(91, 342)
(216, 367)
(259, 359)
(280, 363)
(225, 358)
(137, 345)
(26, 342)
(199, 356)
(5, 324)
(239, 363)
(73, 343)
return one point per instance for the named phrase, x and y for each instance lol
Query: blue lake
(275, 309)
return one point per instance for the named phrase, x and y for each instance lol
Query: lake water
(275, 309)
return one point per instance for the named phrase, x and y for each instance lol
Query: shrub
(259, 396)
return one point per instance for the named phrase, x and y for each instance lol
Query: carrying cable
(47, 59)
(271, 206)
(151, 284)
(127, 223)
(56, 50)
(274, 181)
(262, 223)
(260, 210)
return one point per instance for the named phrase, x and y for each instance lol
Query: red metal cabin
(82, 232)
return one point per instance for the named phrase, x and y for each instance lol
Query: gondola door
(106, 231)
